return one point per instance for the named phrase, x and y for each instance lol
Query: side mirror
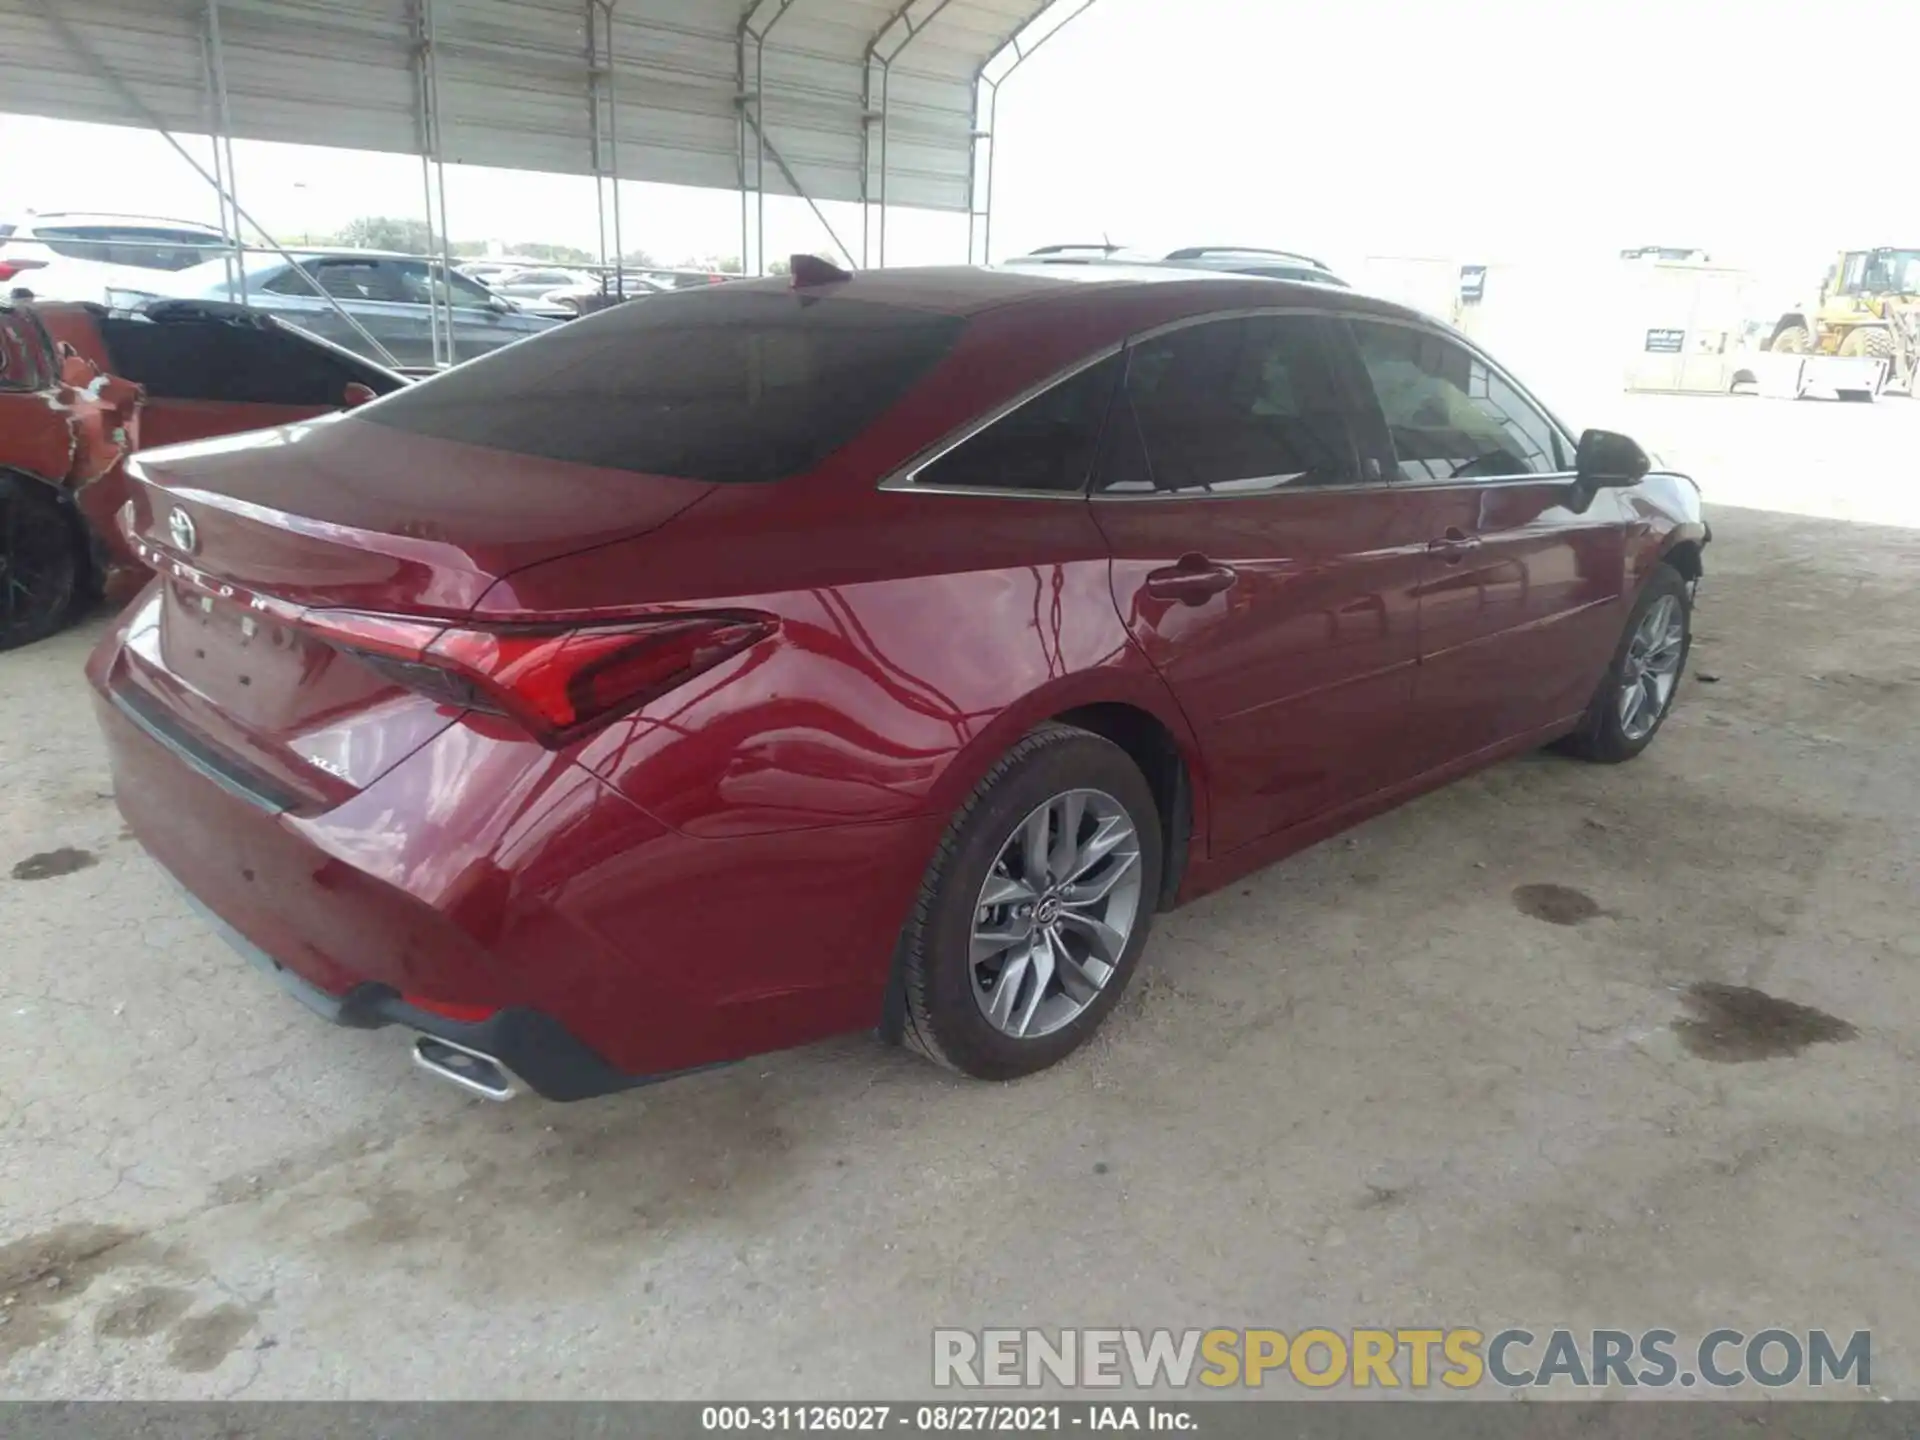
(355, 394)
(500, 304)
(1607, 458)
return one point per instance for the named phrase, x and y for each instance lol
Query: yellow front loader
(1869, 305)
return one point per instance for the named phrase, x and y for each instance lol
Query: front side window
(1893, 272)
(1046, 445)
(1451, 416)
(1230, 407)
(350, 280)
(420, 286)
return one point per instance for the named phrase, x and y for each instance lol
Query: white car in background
(486, 271)
(535, 281)
(77, 256)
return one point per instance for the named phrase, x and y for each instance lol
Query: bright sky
(1493, 131)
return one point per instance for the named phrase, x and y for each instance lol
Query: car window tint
(185, 359)
(1230, 407)
(722, 384)
(1046, 444)
(362, 280)
(420, 286)
(469, 294)
(1450, 415)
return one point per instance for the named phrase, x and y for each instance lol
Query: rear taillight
(557, 681)
(11, 268)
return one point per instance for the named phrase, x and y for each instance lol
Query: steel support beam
(49, 10)
(1019, 48)
(750, 70)
(221, 134)
(434, 178)
(889, 42)
(423, 121)
(604, 129)
(793, 183)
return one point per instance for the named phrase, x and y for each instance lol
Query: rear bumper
(534, 1048)
(504, 899)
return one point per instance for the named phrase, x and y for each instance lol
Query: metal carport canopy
(872, 101)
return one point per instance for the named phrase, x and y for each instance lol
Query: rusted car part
(82, 387)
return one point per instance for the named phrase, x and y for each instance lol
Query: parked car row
(397, 300)
(959, 619)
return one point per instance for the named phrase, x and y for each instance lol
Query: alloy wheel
(1054, 915)
(1652, 667)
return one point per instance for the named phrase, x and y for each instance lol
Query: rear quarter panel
(912, 652)
(812, 776)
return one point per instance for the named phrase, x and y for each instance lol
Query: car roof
(104, 217)
(1209, 261)
(959, 289)
(1240, 254)
(1148, 293)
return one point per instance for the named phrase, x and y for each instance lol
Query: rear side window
(1451, 416)
(722, 385)
(1230, 407)
(421, 286)
(1045, 445)
(239, 363)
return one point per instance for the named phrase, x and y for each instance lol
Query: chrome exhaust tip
(474, 1072)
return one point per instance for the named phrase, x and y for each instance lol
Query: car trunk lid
(259, 538)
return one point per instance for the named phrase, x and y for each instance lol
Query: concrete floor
(1370, 1086)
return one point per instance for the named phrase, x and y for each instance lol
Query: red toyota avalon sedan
(722, 672)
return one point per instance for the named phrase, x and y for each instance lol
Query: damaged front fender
(69, 423)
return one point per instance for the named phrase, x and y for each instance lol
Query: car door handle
(1194, 581)
(1453, 544)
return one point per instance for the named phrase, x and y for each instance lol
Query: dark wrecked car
(82, 387)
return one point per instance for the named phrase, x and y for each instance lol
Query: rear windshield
(721, 385)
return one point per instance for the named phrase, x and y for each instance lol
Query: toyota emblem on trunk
(180, 527)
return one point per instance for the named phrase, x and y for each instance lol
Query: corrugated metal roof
(514, 80)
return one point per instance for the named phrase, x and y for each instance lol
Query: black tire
(940, 1014)
(42, 563)
(1602, 736)
(1793, 340)
(1870, 340)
